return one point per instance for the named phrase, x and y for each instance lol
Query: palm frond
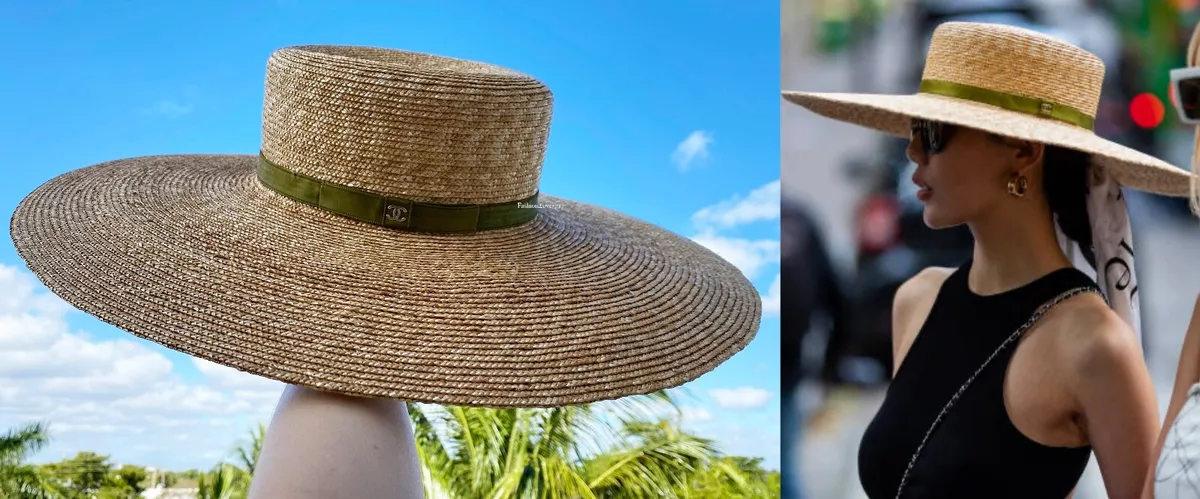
(19, 443)
(247, 453)
(627, 448)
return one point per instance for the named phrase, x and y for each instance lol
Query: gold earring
(1018, 185)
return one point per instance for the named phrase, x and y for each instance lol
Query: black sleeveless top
(976, 451)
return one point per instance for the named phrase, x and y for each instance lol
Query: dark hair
(1065, 173)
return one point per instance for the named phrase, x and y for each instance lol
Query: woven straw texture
(425, 128)
(580, 304)
(1014, 61)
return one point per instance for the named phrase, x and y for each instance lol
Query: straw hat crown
(1016, 61)
(401, 124)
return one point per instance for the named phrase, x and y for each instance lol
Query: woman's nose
(914, 151)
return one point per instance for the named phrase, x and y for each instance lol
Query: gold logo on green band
(390, 212)
(395, 213)
(1011, 102)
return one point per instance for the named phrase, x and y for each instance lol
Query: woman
(1178, 449)
(1014, 368)
(1174, 475)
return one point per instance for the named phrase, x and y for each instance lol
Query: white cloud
(749, 256)
(20, 297)
(760, 205)
(114, 396)
(98, 428)
(695, 414)
(745, 397)
(772, 298)
(228, 377)
(693, 149)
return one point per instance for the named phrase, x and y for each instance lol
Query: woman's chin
(935, 220)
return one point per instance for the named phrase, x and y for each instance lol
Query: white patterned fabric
(1112, 243)
(1177, 475)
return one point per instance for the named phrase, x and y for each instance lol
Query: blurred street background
(852, 229)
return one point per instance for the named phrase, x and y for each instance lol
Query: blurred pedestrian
(1177, 470)
(1012, 369)
(812, 292)
(814, 295)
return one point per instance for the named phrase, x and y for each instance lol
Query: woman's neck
(1013, 247)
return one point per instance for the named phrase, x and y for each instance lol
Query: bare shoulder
(1093, 338)
(911, 306)
(1113, 396)
(928, 279)
(919, 291)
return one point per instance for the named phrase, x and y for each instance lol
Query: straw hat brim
(892, 114)
(579, 305)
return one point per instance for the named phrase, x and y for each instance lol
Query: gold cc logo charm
(395, 213)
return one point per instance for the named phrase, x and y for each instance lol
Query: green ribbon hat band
(1011, 102)
(390, 212)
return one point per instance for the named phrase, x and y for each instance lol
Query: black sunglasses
(1185, 85)
(932, 136)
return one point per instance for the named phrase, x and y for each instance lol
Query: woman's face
(966, 173)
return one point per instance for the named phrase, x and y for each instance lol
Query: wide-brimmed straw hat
(389, 241)
(1012, 82)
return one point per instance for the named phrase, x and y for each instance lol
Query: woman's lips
(924, 193)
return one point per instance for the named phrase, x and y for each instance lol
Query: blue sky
(666, 111)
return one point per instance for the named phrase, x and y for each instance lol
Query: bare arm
(1117, 401)
(1186, 375)
(324, 445)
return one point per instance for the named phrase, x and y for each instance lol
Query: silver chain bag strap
(962, 389)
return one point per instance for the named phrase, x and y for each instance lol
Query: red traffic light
(1146, 110)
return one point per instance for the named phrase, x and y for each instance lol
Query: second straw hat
(390, 240)
(1012, 82)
